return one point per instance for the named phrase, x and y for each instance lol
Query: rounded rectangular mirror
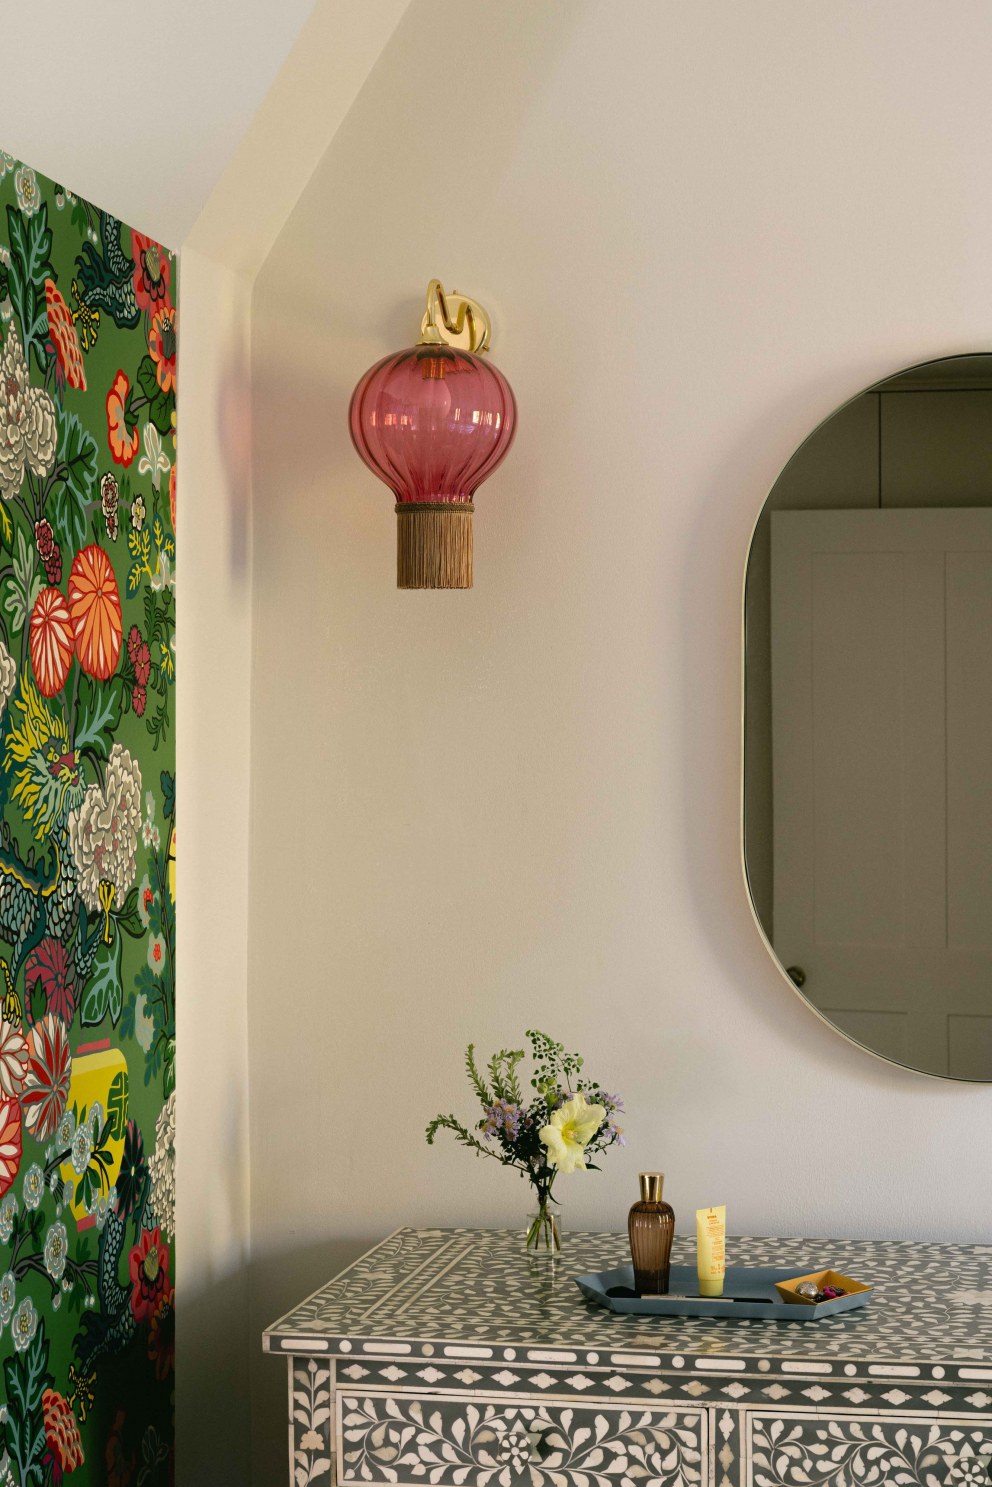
(867, 806)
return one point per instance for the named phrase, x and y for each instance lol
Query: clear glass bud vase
(544, 1230)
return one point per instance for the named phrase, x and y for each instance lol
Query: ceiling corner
(291, 130)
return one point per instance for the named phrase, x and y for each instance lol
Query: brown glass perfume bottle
(651, 1225)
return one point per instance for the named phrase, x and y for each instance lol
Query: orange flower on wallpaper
(61, 1432)
(10, 1142)
(64, 338)
(52, 641)
(152, 271)
(123, 441)
(162, 345)
(95, 608)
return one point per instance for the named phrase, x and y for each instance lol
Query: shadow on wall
(284, 1279)
(234, 440)
(315, 329)
(215, 1375)
(212, 1380)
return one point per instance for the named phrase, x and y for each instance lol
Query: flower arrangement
(567, 1119)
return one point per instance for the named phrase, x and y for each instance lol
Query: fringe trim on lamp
(434, 545)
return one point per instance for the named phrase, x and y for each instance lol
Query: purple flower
(613, 1103)
(504, 1119)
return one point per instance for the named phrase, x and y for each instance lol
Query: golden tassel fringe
(434, 545)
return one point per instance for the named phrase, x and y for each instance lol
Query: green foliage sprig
(526, 1135)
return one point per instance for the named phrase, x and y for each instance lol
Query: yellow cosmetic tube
(711, 1249)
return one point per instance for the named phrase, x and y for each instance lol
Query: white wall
(214, 640)
(151, 105)
(698, 228)
(220, 256)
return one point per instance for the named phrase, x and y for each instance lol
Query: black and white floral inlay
(838, 1453)
(446, 1357)
(448, 1444)
(452, 1285)
(310, 1412)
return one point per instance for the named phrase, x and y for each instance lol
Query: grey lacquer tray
(748, 1292)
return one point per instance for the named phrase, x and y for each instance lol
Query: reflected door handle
(796, 974)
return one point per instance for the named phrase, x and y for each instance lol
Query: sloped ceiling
(141, 107)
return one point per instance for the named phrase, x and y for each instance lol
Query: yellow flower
(572, 1127)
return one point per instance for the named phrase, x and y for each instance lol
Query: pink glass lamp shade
(433, 423)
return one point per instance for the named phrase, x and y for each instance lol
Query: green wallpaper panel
(87, 842)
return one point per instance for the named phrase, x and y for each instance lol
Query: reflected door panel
(881, 681)
(969, 758)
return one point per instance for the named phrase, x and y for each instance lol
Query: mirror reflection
(868, 718)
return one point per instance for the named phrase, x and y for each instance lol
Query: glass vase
(544, 1230)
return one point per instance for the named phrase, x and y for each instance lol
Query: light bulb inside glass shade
(433, 422)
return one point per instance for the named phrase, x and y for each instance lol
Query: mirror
(867, 802)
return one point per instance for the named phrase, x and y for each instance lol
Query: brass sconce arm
(453, 319)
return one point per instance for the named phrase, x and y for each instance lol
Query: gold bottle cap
(651, 1186)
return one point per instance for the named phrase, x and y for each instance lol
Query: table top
(460, 1293)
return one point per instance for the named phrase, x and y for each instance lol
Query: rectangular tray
(748, 1292)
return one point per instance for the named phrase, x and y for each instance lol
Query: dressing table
(449, 1357)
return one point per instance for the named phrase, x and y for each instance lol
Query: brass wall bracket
(454, 320)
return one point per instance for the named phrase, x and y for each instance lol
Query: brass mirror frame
(793, 987)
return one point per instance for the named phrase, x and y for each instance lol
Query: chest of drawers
(451, 1358)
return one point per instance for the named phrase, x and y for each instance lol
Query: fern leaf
(502, 1067)
(475, 1078)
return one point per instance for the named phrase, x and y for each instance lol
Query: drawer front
(486, 1443)
(870, 1450)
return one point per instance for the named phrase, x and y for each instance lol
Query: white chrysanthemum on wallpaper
(162, 1166)
(103, 833)
(28, 433)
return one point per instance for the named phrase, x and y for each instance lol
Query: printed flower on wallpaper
(88, 342)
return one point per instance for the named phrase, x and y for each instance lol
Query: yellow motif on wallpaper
(98, 1094)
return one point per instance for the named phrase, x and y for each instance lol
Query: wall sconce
(434, 422)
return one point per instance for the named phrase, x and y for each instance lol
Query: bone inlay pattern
(544, 1445)
(794, 1451)
(932, 1303)
(629, 1385)
(457, 1344)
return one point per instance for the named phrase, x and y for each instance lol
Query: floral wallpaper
(88, 329)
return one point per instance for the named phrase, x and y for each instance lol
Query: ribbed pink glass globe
(433, 422)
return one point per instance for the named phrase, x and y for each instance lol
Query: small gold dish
(820, 1278)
